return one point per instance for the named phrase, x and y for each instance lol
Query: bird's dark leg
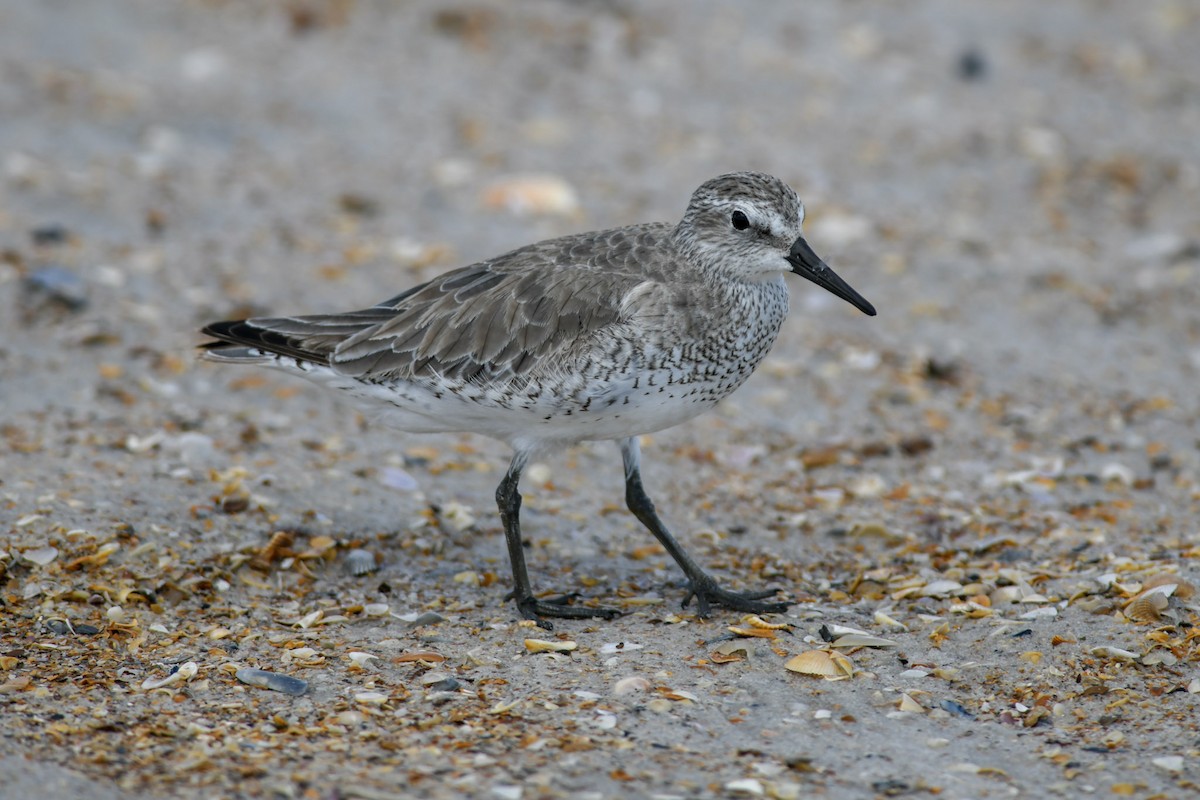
(508, 498)
(701, 585)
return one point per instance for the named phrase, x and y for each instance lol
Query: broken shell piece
(755, 621)
(543, 646)
(376, 609)
(308, 620)
(883, 619)
(1160, 655)
(41, 555)
(1115, 653)
(823, 664)
(185, 672)
(360, 659)
(360, 562)
(940, 588)
(861, 640)
(272, 680)
(729, 652)
(371, 698)
(1183, 590)
(750, 632)
(910, 705)
(634, 683)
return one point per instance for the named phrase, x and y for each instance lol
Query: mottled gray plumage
(604, 335)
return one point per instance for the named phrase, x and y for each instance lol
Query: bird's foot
(708, 594)
(560, 608)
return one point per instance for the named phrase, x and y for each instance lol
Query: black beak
(808, 264)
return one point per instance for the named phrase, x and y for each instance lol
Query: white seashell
(1037, 613)
(1115, 653)
(749, 787)
(459, 516)
(1169, 763)
(185, 672)
(376, 609)
(883, 619)
(41, 555)
(1118, 473)
(619, 647)
(861, 640)
(361, 562)
(360, 659)
(371, 698)
(633, 683)
(940, 588)
(309, 620)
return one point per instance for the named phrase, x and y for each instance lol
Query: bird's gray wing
(496, 320)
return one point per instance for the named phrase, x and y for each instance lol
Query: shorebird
(596, 336)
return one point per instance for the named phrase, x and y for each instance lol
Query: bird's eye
(740, 221)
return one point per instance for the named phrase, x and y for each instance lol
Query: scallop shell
(360, 562)
(1147, 607)
(822, 664)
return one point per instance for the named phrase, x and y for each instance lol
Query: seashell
(1148, 607)
(883, 619)
(371, 698)
(272, 680)
(619, 647)
(940, 588)
(755, 633)
(633, 683)
(40, 556)
(426, 618)
(728, 652)
(420, 657)
(1160, 655)
(1169, 763)
(823, 664)
(907, 703)
(544, 646)
(1115, 653)
(376, 609)
(1183, 589)
(309, 620)
(745, 787)
(755, 621)
(531, 194)
(1039, 613)
(459, 516)
(115, 614)
(1118, 473)
(361, 562)
(184, 672)
(834, 630)
(861, 640)
(360, 659)
(677, 695)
